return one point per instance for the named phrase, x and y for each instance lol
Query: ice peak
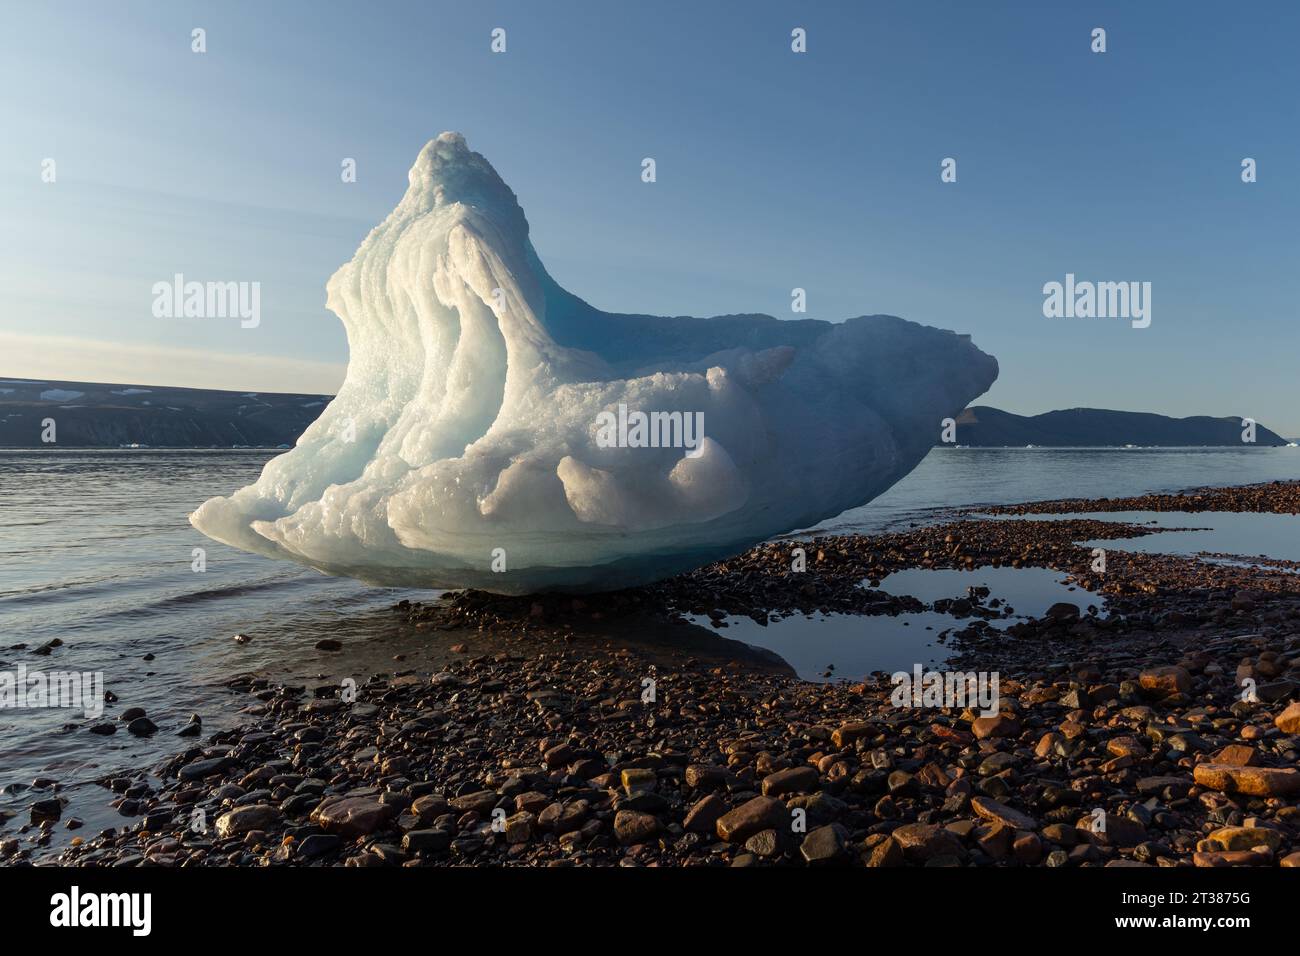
(447, 171)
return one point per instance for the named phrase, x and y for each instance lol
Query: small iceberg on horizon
(495, 431)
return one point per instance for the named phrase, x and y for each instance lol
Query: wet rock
(46, 811)
(210, 767)
(353, 816)
(243, 820)
(142, 727)
(1063, 612)
(316, 846)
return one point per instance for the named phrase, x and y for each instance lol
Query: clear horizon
(775, 170)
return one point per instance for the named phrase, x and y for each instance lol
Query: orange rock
(1126, 747)
(1000, 813)
(932, 775)
(1072, 729)
(760, 813)
(825, 762)
(951, 733)
(1237, 755)
(1028, 849)
(887, 853)
(999, 726)
(1230, 858)
(1289, 720)
(1241, 838)
(996, 840)
(848, 733)
(1252, 781)
(353, 816)
(1163, 681)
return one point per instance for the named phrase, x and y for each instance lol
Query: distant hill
(987, 427)
(95, 415)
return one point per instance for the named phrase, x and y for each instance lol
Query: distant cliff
(92, 415)
(988, 427)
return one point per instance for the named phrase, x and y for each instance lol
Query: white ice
(464, 440)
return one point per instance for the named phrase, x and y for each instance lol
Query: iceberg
(495, 431)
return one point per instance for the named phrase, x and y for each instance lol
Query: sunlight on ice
(462, 449)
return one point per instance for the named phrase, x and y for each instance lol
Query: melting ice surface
(466, 436)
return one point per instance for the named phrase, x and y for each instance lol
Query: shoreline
(1135, 715)
(1270, 497)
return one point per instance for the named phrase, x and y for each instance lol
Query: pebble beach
(1160, 730)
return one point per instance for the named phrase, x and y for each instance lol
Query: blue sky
(775, 170)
